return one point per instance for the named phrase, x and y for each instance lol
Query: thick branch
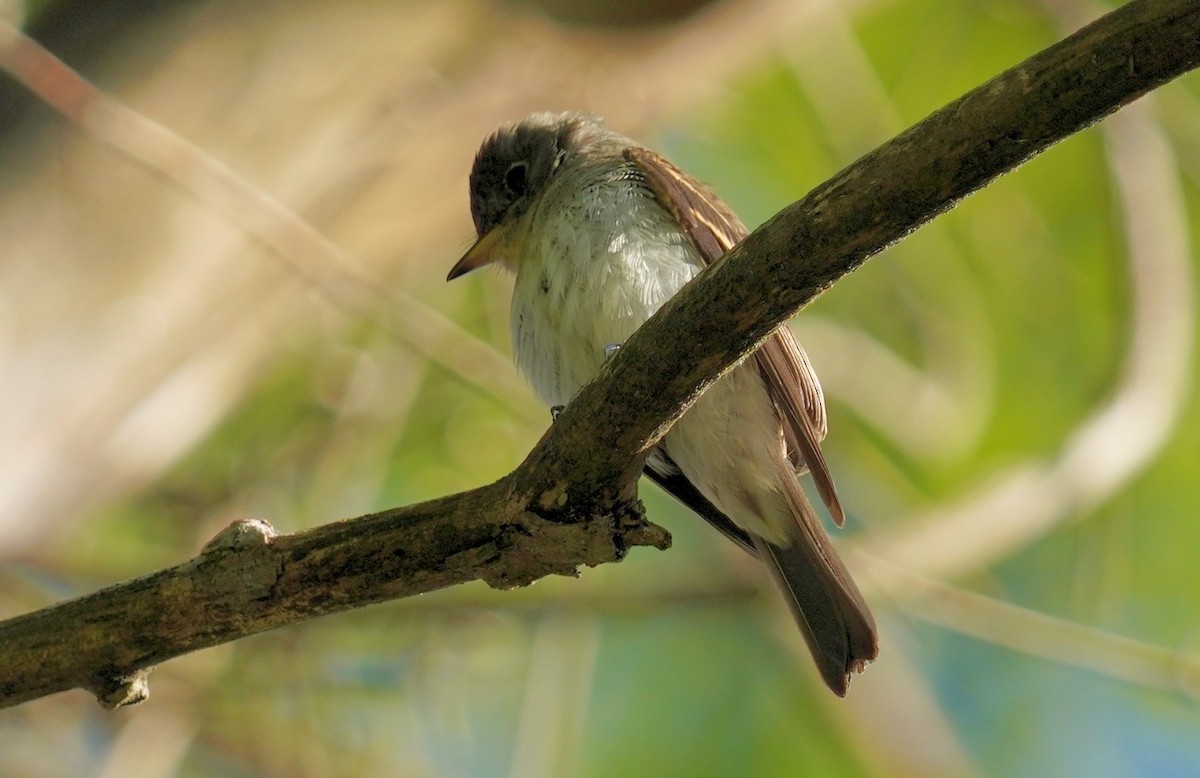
(730, 309)
(248, 580)
(572, 501)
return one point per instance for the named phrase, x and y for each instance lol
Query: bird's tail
(836, 623)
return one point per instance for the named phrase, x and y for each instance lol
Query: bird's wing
(714, 229)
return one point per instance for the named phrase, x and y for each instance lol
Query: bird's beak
(477, 256)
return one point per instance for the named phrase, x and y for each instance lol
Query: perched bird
(601, 232)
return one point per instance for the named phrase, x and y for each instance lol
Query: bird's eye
(515, 179)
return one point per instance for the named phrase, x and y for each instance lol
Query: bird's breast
(591, 271)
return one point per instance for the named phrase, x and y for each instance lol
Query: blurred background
(1012, 423)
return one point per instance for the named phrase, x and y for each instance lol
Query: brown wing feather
(791, 382)
(835, 621)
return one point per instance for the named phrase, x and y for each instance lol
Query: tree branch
(573, 500)
(249, 579)
(879, 199)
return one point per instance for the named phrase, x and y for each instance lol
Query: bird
(600, 231)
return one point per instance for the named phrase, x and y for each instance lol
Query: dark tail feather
(836, 624)
(834, 619)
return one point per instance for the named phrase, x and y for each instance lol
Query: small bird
(600, 232)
